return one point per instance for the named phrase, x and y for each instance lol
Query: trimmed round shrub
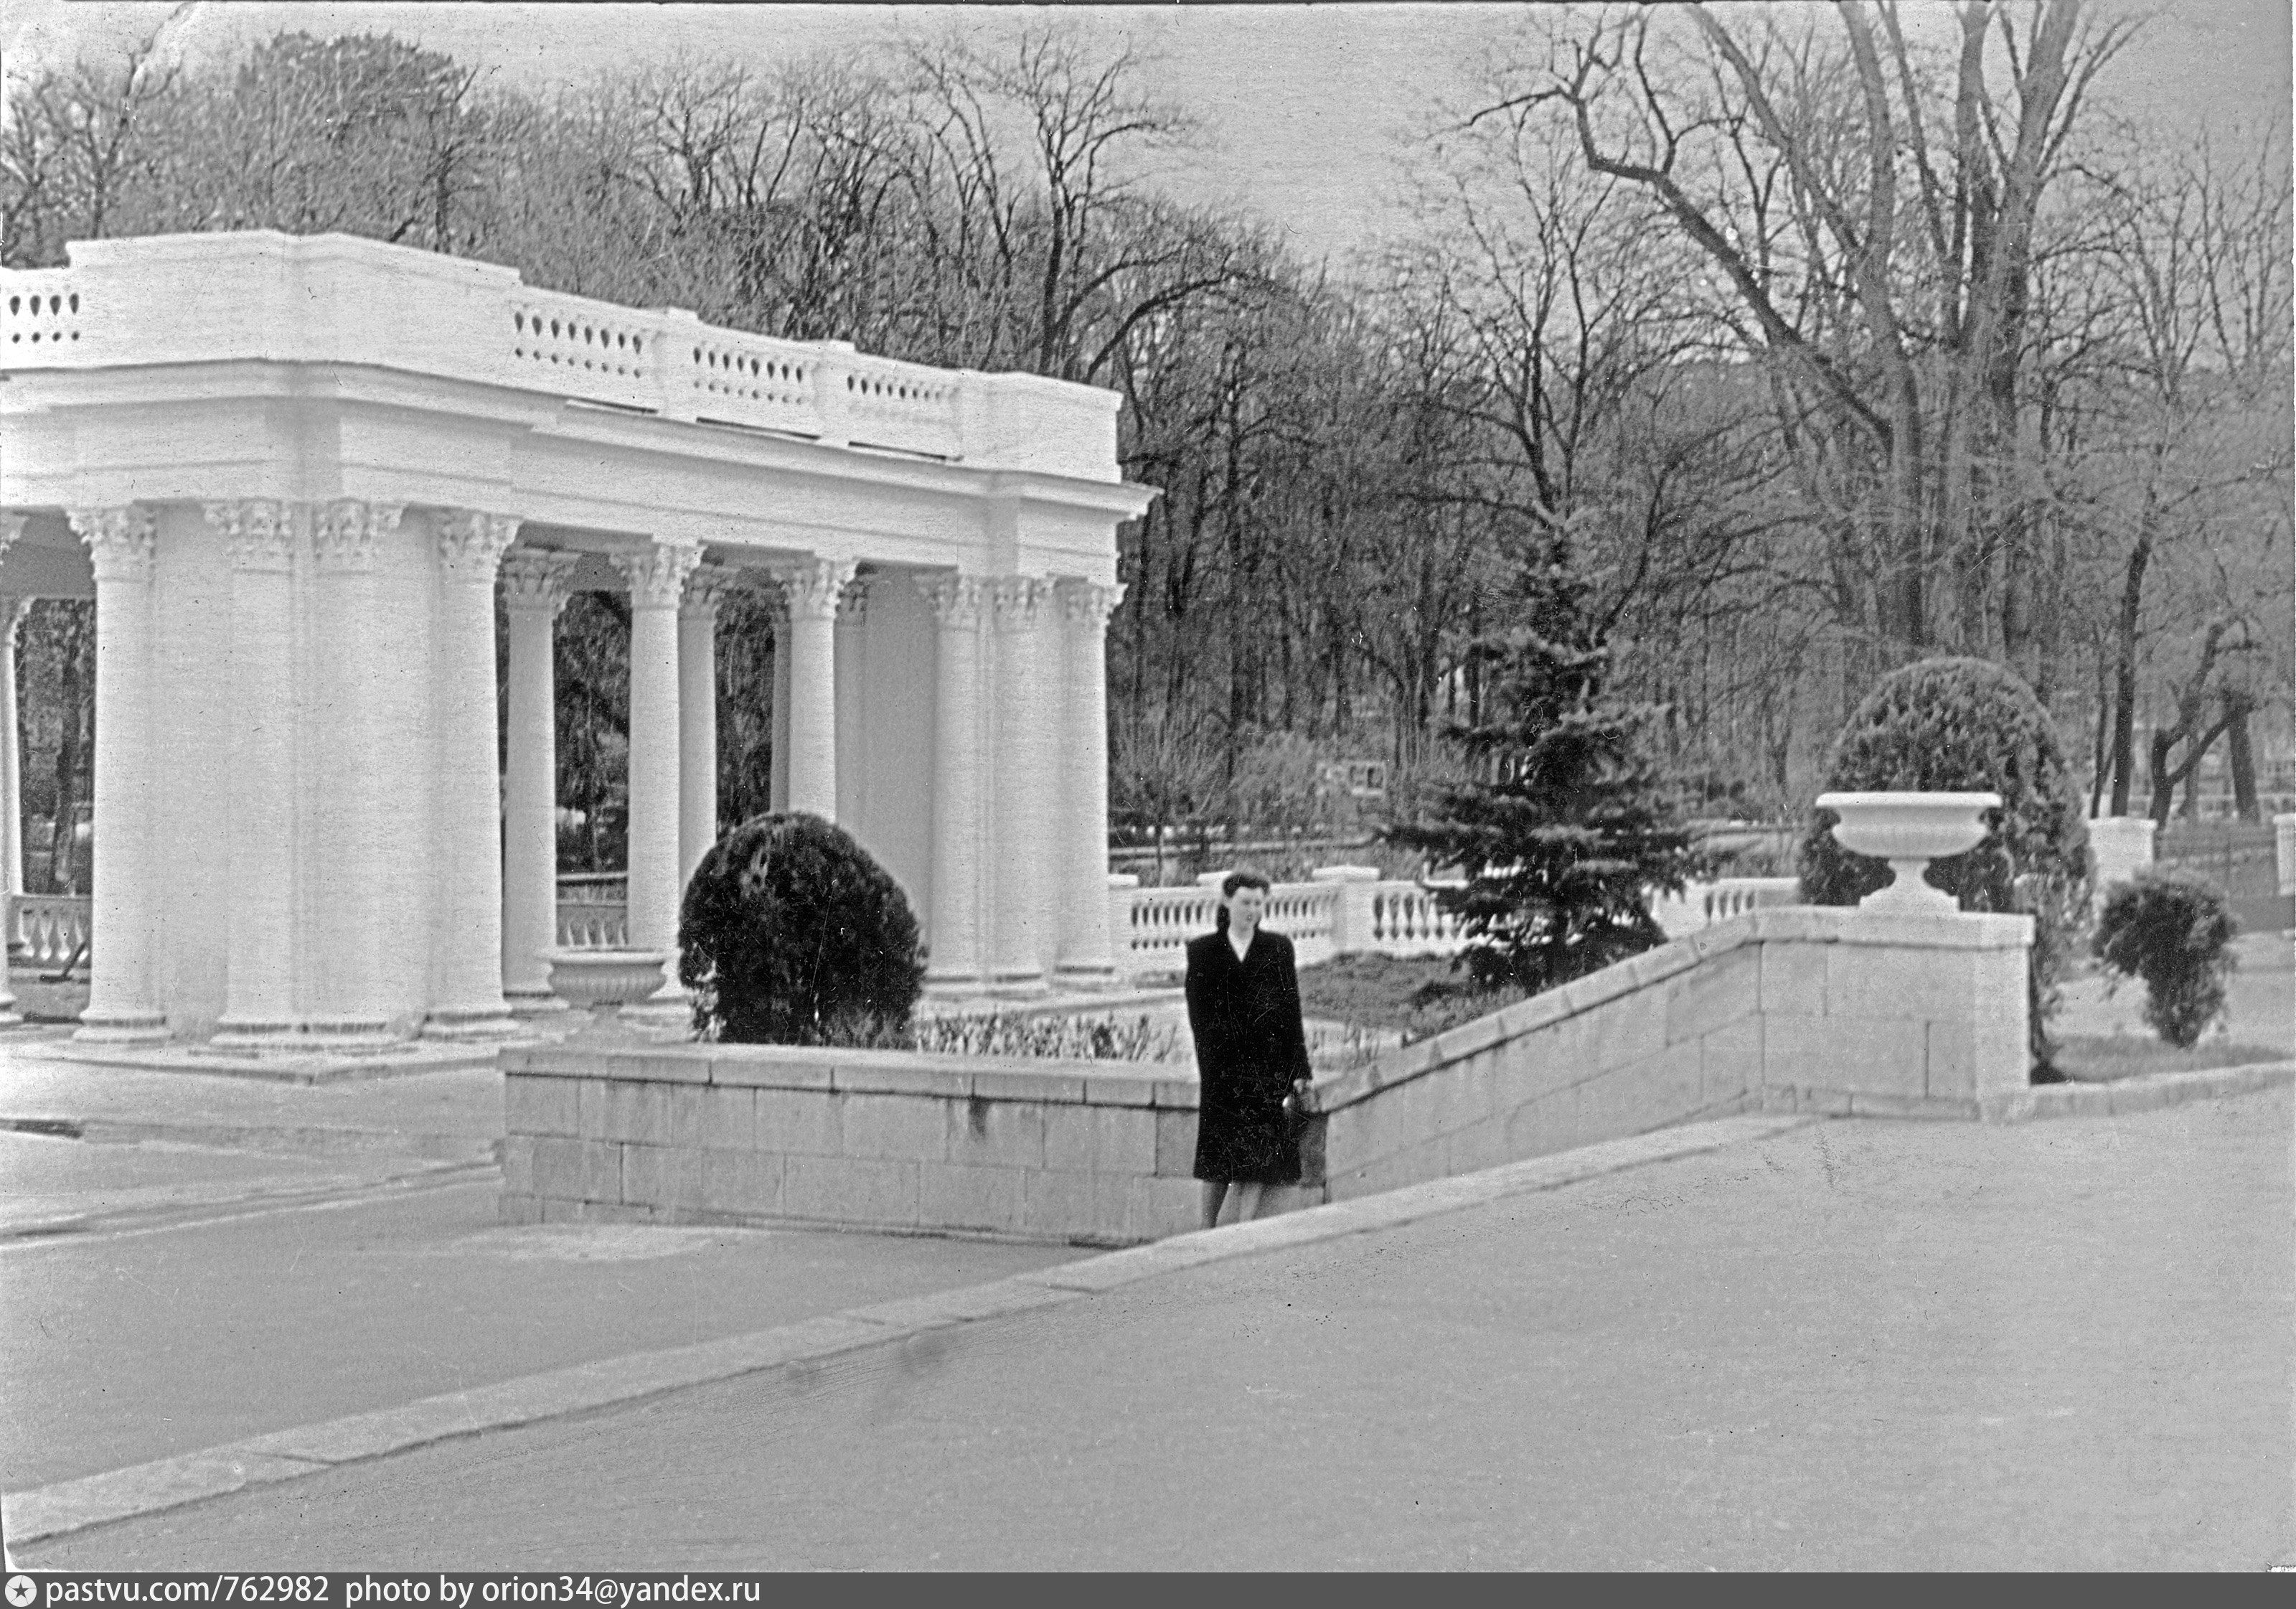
(792, 934)
(2173, 932)
(1967, 725)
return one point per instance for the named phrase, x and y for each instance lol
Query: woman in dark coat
(1252, 1051)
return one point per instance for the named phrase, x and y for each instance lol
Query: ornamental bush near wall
(792, 934)
(1967, 725)
(2174, 932)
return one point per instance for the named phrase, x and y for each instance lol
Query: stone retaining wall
(1799, 1008)
(1077, 1151)
(1796, 1009)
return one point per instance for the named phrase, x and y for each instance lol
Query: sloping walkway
(1846, 1344)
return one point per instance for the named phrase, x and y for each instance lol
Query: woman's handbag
(1295, 1108)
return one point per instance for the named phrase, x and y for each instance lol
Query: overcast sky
(1304, 107)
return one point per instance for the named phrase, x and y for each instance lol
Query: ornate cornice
(705, 590)
(537, 580)
(119, 540)
(657, 573)
(810, 587)
(258, 533)
(956, 600)
(1017, 602)
(472, 542)
(344, 533)
(1086, 605)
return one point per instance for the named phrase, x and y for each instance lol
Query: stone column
(1023, 789)
(535, 588)
(466, 993)
(348, 844)
(953, 965)
(811, 588)
(120, 1006)
(259, 907)
(777, 787)
(657, 578)
(697, 716)
(852, 623)
(13, 610)
(1081, 898)
(11, 780)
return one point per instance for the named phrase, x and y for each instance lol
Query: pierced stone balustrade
(257, 295)
(48, 929)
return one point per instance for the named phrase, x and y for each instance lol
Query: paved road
(234, 1315)
(2058, 1345)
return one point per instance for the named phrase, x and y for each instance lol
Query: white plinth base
(138, 1028)
(541, 1002)
(472, 1025)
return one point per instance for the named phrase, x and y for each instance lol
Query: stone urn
(1910, 831)
(603, 980)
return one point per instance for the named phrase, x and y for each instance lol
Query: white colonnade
(311, 834)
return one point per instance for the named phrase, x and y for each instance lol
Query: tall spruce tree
(1567, 826)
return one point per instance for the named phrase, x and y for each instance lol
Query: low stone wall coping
(1892, 930)
(1085, 1083)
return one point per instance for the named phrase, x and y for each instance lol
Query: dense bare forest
(1809, 350)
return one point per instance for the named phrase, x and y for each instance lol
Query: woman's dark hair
(1242, 877)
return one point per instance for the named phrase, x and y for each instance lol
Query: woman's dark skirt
(1244, 1136)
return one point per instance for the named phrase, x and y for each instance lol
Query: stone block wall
(1789, 1009)
(1063, 1151)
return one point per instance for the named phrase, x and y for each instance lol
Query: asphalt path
(1859, 1344)
(249, 1314)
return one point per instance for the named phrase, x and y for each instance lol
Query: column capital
(258, 533)
(956, 599)
(810, 587)
(344, 533)
(1088, 604)
(12, 526)
(705, 590)
(536, 579)
(471, 543)
(1016, 602)
(119, 540)
(853, 601)
(657, 573)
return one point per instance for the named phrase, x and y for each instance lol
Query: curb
(296, 1140)
(2147, 1092)
(190, 1209)
(802, 1354)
